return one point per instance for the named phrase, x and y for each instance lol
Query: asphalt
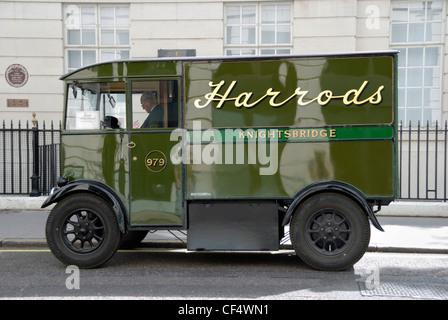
(22, 224)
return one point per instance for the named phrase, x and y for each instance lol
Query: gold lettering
(246, 96)
(351, 97)
(302, 95)
(209, 96)
(224, 98)
(328, 94)
(294, 134)
(274, 95)
(376, 98)
(332, 133)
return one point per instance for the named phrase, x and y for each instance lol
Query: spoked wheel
(330, 232)
(83, 230)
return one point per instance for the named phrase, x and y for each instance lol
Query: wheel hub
(83, 231)
(329, 232)
(84, 228)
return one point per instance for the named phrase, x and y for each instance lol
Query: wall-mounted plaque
(16, 75)
(17, 103)
(163, 53)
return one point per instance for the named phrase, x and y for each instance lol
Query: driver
(155, 110)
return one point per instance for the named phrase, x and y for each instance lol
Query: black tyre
(82, 230)
(330, 232)
(132, 239)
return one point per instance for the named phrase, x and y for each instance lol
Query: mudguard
(335, 186)
(94, 187)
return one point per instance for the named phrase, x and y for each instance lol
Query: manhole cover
(409, 290)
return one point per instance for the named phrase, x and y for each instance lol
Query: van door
(155, 182)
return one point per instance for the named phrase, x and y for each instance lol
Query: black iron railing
(422, 152)
(30, 160)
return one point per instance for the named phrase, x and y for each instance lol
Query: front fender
(94, 187)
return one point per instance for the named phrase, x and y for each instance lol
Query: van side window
(96, 106)
(154, 104)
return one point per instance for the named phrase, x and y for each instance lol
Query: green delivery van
(236, 151)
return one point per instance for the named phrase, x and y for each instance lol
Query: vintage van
(232, 150)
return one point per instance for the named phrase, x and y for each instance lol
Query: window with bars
(254, 28)
(417, 32)
(96, 33)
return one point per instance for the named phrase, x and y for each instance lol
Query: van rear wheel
(330, 232)
(83, 230)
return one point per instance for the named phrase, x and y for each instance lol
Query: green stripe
(293, 134)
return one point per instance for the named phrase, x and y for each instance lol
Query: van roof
(170, 65)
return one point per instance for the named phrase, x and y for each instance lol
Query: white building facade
(42, 39)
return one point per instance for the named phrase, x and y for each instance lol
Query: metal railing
(422, 152)
(30, 160)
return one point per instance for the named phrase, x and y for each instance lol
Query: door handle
(131, 145)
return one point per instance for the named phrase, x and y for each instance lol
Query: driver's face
(146, 105)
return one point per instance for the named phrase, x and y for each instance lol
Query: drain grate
(407, 290)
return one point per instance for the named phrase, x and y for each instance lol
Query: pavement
(409, 228)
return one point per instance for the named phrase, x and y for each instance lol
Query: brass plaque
(17, 103)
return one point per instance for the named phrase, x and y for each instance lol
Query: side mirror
(74, 91)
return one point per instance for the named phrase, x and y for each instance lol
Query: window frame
(97, 125)
(97, 47)
(424, 45)
(258, 46)
(165, 84)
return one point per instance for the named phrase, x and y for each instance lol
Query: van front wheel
(82, 230)
(330, 232)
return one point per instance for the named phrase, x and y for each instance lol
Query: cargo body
(233, 150)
